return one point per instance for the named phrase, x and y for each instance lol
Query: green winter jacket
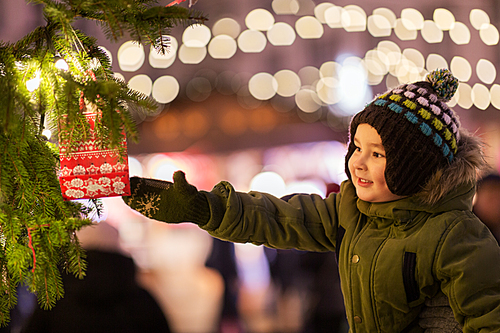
(392, 256)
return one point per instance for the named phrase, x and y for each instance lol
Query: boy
(401, 226)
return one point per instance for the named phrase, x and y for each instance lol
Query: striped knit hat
(418, 130)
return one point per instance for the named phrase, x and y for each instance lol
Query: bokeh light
(165, 89)
(460, 34)
(263, 86)
(431, 32)
(288, 83)
(222, 47)
(461, 68)
(333, 16)
(130, 56)
(402, 32)
(444, 19)
(281, 34)
(226, 26)
(308, 27)
(259, 19)
(435, 61)
(379, 26)
(285, 7)
(486, 71)
(252, 41)
(479, 19)
(353, 18)
(196, 35)
(319, 11)
(464, 92)
(141, 83)
(192, 55)
(412, 19)
(495, 95)
(480, 96)
(307, 100)
(489, 34)
(166, 59)
(268, 182)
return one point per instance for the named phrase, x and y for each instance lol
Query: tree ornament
(91, 171)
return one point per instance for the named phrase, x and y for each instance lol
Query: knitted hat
(419, 131)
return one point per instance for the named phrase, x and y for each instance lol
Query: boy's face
(367, 166)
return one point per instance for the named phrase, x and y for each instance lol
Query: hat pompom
(444, 83)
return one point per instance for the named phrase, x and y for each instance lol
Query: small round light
(288, 82)
(379, 26)
(333, 16)
(307, 100)
(285, 7)
(479, 19)
(431, 33)
(480, 96)
(308, 27)
(166, 59)
(353, 18)
(165, 89)
(489, 35)
(415, 57)
(47, 133)
(329, 69)
(33, 84)
(402, 32)
(387, 13)
(196, 35)
(327, 90)
(486, 71)
(281, 34)
(61, 64)
(263, 86)
(495, 96)
(464, 92)
(412, 19)
(192, 55)
(226, 26)
(259, 19)
(460, 34)
(141, 83)
(319, 11)
(131, 56)
(222, 47)
(252, 41)
(444, 18)
(309, 75)
(435, 61)
(461, 68)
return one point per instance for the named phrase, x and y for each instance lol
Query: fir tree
(37, 227)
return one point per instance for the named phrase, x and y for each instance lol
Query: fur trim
(466, 167)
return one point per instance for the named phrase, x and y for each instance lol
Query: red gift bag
(90, 172)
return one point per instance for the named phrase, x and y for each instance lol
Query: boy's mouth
(364, 182)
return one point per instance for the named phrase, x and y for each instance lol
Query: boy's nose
(359, 162)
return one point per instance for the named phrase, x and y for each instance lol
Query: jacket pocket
(410, 283)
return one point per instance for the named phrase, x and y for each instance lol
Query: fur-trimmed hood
(468, 163)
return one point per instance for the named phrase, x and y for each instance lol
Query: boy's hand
(168, 202)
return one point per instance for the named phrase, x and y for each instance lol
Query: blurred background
(261, 96)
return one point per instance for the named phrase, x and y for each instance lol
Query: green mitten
(168, 202)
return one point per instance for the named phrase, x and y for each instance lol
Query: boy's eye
(378, 155)
(357, 148)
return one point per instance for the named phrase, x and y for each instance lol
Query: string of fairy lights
(339, 83)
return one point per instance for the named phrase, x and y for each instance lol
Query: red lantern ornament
(89, 171)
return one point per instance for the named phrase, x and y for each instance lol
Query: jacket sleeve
(468, 266)
(304, 222)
